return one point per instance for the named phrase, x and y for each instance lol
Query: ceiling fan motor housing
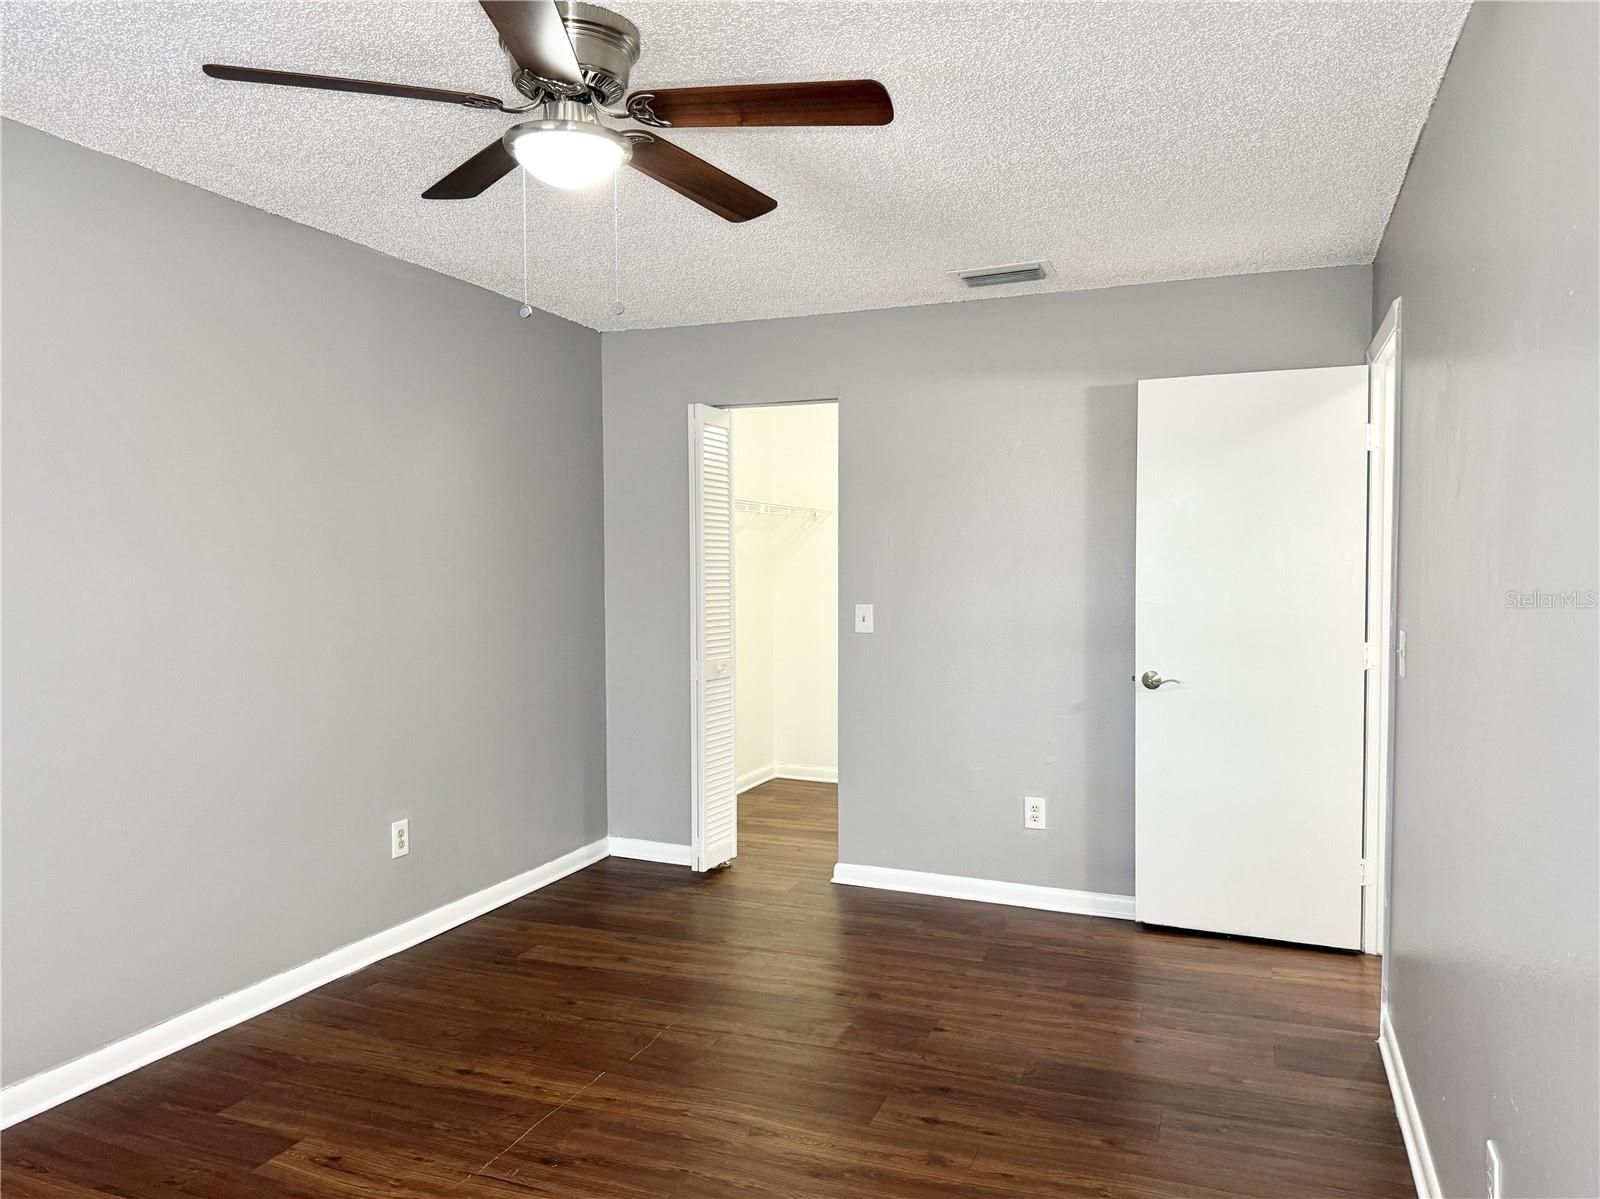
(605, 44)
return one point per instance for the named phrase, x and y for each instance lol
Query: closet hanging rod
(762, 508)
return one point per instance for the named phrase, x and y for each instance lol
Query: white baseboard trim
(667, 852)
(1405, 1108)
(802, 773)
(1017, 895)
(30, 1096)
(754, 778)
(798, 771)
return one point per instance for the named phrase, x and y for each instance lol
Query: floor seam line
(647, 1045)
(540, 1121)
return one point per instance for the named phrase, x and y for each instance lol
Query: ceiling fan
(570, 61)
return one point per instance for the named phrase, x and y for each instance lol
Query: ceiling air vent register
(995, 276)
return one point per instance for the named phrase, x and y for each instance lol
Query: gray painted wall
(1492, 245)
(298, 539)
(986, 508)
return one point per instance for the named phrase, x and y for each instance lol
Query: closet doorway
(784, 500)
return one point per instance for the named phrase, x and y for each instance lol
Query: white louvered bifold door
(715, 793)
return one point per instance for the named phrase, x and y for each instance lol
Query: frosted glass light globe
(565, 152)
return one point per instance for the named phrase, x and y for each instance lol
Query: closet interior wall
(786, 591)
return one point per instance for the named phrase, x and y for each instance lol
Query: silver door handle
(1153, 680)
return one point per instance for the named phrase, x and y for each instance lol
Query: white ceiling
(1125, 142)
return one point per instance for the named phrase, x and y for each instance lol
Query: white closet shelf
(762, 508)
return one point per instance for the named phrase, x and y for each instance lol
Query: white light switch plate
(863, 618)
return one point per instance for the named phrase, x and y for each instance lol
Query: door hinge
(1366, 872)
(1369, 655)
(1372, 437)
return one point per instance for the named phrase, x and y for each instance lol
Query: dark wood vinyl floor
(633, 1032)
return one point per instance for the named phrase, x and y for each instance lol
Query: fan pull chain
(617, 307)
(527, 309)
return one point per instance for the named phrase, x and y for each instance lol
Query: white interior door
(1250, 607)
(715, 790)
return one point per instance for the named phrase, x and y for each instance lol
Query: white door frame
(1383, 396)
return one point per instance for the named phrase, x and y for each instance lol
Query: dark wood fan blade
(838, 102)
(730, 198)
(534, 33)
(334, 83)
(475, 176)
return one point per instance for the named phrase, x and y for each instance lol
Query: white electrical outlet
(1033, 811)
(1491, 1170)
(400, 838)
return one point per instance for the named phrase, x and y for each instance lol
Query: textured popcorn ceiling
(1124, 142)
